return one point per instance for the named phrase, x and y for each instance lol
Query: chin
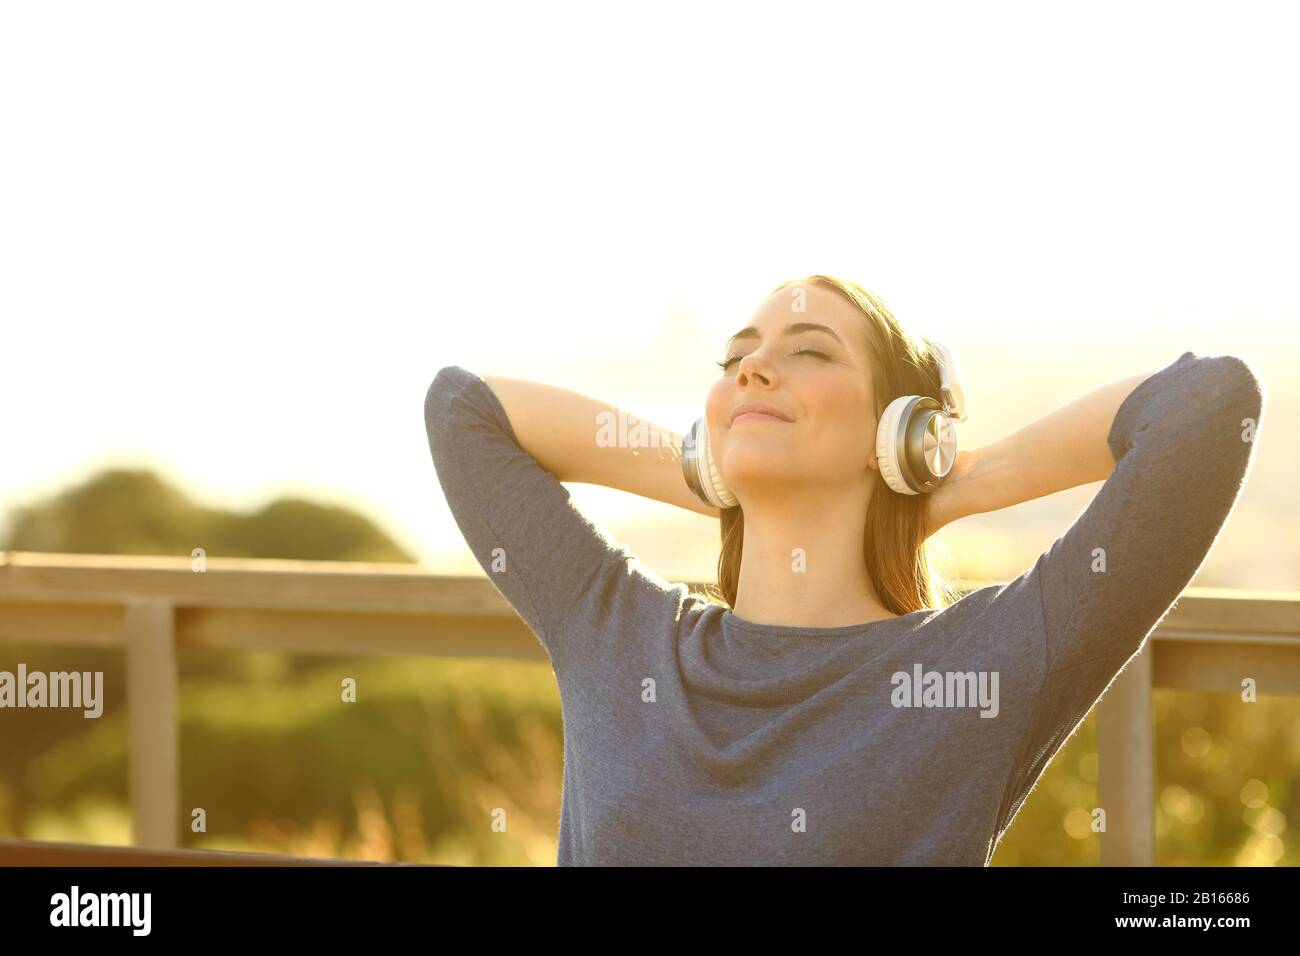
(756, 465)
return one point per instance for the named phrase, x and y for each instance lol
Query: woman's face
(812, 367)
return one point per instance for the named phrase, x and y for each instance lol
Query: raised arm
(570, 435)
(1181, 442)
(1062, 449)
(500, 451)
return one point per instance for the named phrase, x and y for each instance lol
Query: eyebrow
(749, 332)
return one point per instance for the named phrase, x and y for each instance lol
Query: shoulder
(626, 593)
(1000, 623)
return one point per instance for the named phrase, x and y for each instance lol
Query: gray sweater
(692, 736)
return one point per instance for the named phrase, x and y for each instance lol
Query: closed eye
(736, 358)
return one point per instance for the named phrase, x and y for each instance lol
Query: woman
(841, 707)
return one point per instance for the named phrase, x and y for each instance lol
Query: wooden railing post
(152, 722)
(1126, 768)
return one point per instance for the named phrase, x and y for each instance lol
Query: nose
(755, 364)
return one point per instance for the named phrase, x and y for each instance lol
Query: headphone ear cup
(701, 471)
(922, 467)
(887, 447)
(713, 478)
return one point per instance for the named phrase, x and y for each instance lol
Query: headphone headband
(950, 383)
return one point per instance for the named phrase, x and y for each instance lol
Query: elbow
(445, 385)
(1234, 399)
(1243, 385)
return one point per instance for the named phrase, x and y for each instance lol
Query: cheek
(845, 426)
(716, 408)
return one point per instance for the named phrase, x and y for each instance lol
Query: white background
(238, 240)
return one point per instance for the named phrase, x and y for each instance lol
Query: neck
(802, 564)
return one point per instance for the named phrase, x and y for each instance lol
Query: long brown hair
(893, 538)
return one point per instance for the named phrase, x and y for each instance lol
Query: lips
(758, 411)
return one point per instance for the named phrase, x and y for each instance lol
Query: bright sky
(238, 240)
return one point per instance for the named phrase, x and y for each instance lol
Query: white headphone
(916, 441)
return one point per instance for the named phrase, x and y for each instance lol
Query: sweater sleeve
(1183, 442)
(540, 552)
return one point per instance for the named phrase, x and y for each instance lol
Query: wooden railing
(152, 607)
